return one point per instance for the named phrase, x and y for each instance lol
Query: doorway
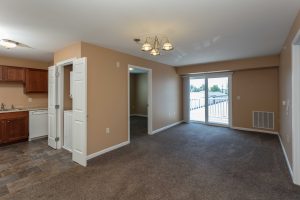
(295, 108)
(139, 101)
(210, 99)
(67, 108)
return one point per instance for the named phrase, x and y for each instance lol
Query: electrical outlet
(29, 100)
(107, 130)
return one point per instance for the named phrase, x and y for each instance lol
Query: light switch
(29, 100)
(238, 97)
(283, 103)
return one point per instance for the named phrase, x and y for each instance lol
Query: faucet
(2, 106)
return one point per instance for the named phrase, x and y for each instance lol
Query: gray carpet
(189, 161)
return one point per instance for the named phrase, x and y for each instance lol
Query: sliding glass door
(218, 98)
(210, 99)
(197, 99)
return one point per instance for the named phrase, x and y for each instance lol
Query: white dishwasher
(38, 124)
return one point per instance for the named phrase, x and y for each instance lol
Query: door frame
(60, 98)
(150, 106)
(295, 108)
(206, 76)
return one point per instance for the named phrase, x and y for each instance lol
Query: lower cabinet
(13, 127)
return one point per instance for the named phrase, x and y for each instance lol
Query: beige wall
(72, 51)
(258, 91)
(285, 72)
(139, 94)
(234, 65)
(108, 95)
(132, 93)
(13, 93)
(67, 98)
(255, 80)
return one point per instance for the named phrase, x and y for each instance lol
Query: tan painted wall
(258, 91)
(72, 51)
(285, 72)
(234, 65)
(255, 80)
(132, 93)
(67, 98)
(108, 95)
(138, 94)
(13, 93)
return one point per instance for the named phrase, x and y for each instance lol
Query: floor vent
(262, 119)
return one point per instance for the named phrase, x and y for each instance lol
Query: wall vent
(262, 119)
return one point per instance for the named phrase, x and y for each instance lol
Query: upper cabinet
(36, 81)
(12, 74)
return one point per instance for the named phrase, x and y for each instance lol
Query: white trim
(96, 154)
(138, 115)
(37, 138)
(166, 127)
(210, 74)
(255, 130)
(150, 106)
(286, 157)
(69, 150)
(66, 62)
(295, 108)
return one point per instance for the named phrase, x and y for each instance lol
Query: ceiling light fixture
(153, 44)
(8, 44)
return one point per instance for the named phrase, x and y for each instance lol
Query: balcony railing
(217, 109)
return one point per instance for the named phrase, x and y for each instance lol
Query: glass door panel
(197, 99)
(218, 100)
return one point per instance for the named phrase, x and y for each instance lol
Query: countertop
(22, 110)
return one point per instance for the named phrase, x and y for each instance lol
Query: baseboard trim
(67, 149)
(96, 154)
(37, 138)
(286, 158)
(166, 127)
(138, 115)
(255, 130)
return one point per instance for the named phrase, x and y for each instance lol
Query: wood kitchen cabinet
(13, 127)
(36, 81)
(12, 74)
(1, 73)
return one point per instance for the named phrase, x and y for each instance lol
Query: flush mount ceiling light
(10, 44)
(153, 45)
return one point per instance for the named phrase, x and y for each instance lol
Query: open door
(52, 115)
(79, 122)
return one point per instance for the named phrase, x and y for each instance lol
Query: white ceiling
(201, 30)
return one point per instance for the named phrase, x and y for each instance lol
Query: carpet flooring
(189, 161)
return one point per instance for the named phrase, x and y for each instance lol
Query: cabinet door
(2, 128)
(13, 74)
(16, 129)
(1, 73)
(36, 81)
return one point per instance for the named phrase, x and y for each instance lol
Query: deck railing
(217, 106)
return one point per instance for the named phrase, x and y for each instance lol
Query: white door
(52, 114)
(79, 121)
